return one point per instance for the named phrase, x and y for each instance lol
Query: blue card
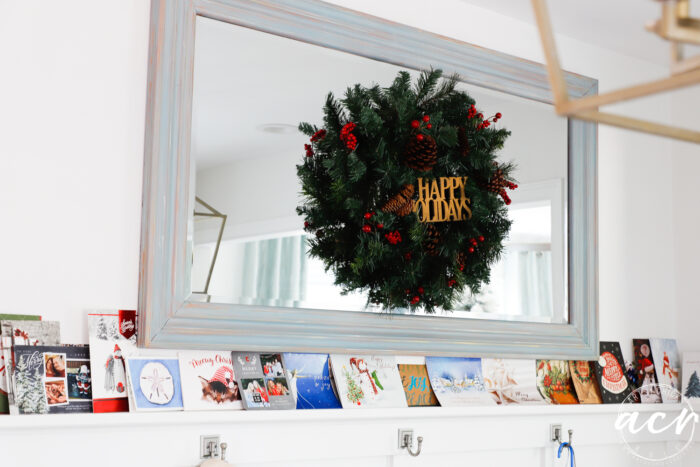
(310, 381)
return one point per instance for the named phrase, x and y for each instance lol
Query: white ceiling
(613, 24)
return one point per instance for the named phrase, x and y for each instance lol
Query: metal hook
(409, 443)
(406, 441)
(571, 434)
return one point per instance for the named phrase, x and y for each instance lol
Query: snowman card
(153, 384)
(208, 381)
(367, 381)
(112, 337)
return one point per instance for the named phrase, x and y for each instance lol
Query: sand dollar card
(154, 384)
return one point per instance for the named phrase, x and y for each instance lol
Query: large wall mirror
(225, 260)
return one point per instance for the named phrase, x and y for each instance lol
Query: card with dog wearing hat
(208, 381)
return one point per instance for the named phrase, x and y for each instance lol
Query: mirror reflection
(249, 246)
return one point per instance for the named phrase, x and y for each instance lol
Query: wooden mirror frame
(167, 319)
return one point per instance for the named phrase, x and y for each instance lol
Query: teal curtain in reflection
(276, 271)
(535, 274)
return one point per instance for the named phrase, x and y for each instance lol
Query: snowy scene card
(554, 382)
(458, 381)
(691, 375)
(511, 381)
(310, 381)
(112, 338)
(416, 385)
(668, 368)
(6, 358)
(25, 332)
(153, 384)
(585, 382)
(208, 381)
(611, 376)
(262, 381)
(52, 379)
(645, 372)
(367, 381)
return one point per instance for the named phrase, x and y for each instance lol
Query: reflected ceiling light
(278, 128)
(676, 26)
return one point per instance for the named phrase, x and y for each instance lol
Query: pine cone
(402, 202)
(431, 243)
(461, 261)
(421, 154)
(463, 141)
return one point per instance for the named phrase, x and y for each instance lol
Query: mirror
(245, 148)
(224, 260)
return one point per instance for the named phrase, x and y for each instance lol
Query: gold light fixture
(210, 213)
(676, 26)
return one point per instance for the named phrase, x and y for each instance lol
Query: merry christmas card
(310, 380)
(511, 381)
(691, 375)
(554, 382)
(458, 381)
(208, 381)
(153, 384)
(112, 338)
(416, 385)
(645, 372)
(585, 382)
(614, 385)
(52, 379)
(263, 381)
(25, 332)
(367, 381)
(668, 368)
(6, 357)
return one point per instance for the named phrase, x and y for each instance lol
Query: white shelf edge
(9, 422)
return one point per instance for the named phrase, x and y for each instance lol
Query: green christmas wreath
(403, 193)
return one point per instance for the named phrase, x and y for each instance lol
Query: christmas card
(645, 373)
(668, 367)
(52, 379)
(153, 384)
(25, 332)
(263, 381)
(554, 382)
(208, 381)
(310, 380)
(585, 383)
(691, 375)
(511, 381)
(458, 381)
(366, 381)
(6, 357)
(112, 338)
(416, 385)
(614, 385)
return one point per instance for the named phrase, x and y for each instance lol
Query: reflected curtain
(529, 282)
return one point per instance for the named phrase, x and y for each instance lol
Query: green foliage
(340, 185)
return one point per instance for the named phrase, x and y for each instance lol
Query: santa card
(6, 357)
(263, 381)
(310, 380)
(208, 381)
(153, 384)
(52, 379)
(511, 381)
(645, 373)
(691, 375)
(367, 381)
(458, 381)
(668, 368)
(112, 337)
(25, 332)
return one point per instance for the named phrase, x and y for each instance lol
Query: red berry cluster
(309, 150)
(472, 112)
(416, 125)
(368, 228)
(416, 298)
(504, 194)
(393, 237)
(408, 255)
(347, 137)
(307, 224)
(318, 136)
(487, 123)
(474, 243)
(451, 283)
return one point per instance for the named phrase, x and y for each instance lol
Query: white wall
(72, 93)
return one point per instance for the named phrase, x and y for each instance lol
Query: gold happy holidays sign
(442, 200)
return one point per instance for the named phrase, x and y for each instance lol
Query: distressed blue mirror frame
(168, 319)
